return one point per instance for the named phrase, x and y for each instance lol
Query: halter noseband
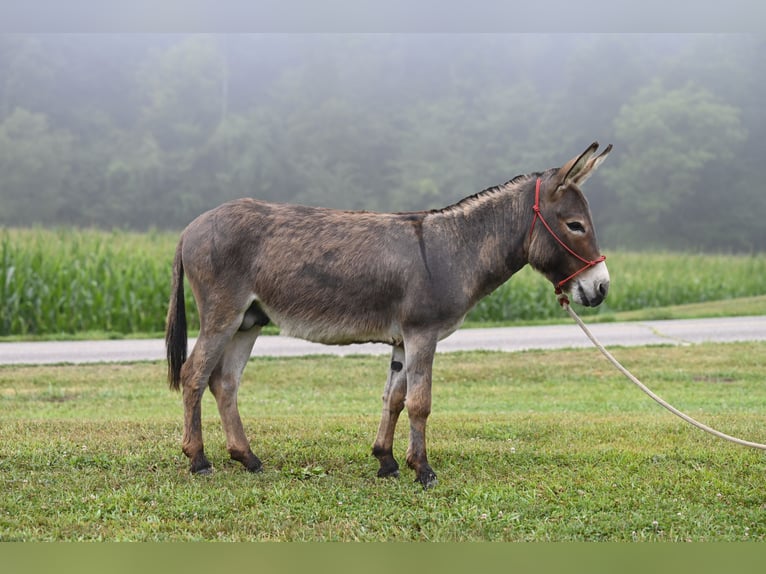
(588, 263)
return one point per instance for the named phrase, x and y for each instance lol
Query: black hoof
(427, 478)
(251, 462)
(388, 465)
(201, 465)
(388, 472)
(254, 466)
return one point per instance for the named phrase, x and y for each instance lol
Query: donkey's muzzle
(591, 287)
(593, 300)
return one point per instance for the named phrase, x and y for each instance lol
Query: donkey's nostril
(603, 288)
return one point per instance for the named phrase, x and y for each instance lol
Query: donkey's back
(325, 275)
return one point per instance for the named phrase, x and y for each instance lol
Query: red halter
(588, 263)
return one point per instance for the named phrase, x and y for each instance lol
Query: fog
(147, 131)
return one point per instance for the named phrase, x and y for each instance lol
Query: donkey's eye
(576, 226)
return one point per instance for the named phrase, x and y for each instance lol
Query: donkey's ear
(591, 165)
(578, 169)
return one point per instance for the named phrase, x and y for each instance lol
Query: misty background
(140, 131)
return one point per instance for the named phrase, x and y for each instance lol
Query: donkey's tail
(175, 330)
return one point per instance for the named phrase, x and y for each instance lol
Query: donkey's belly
(344, 334)
(337, 331)
(332, 335)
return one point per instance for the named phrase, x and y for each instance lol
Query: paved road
(502, 339)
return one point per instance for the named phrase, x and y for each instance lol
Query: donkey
(340, 277)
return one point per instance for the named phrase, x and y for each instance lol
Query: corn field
(68, 281)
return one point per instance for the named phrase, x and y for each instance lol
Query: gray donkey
(340, 277)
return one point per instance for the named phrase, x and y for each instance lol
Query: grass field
(67, 281)
(528, 446)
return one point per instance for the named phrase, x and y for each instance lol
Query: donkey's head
(563, 245)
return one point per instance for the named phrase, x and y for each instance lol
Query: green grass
(71, 282)
(528, 446)
(738, 307)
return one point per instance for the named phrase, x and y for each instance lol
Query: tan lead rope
(645, 389)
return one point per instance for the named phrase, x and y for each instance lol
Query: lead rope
(565, 304)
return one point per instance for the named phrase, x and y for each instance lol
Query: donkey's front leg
(420, 351)
(393, 403)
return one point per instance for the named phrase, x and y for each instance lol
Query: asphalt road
(676, 332)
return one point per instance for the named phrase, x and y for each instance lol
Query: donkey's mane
(510, 185)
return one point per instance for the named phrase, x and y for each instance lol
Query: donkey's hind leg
(224, 383)
(195, 375)
(393, 403)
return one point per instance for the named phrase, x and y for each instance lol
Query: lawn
(533, 446)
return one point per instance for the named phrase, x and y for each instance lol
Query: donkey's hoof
(200, 465)
(251, 462)
(388, 473)
(254, 466)
(427, 478)
(389, 468)
(203, 470)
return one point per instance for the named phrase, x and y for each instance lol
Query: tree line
(148, 131)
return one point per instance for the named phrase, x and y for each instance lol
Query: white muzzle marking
(591, 286)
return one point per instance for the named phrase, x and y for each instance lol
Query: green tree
(668, 139)
(184, 90)
(184, 102)
(34, 163)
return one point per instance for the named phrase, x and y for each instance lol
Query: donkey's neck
(487, 233)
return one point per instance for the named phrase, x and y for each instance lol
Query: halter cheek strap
(588, 263)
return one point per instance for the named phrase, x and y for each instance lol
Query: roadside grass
(737, 307)
(540, 445)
